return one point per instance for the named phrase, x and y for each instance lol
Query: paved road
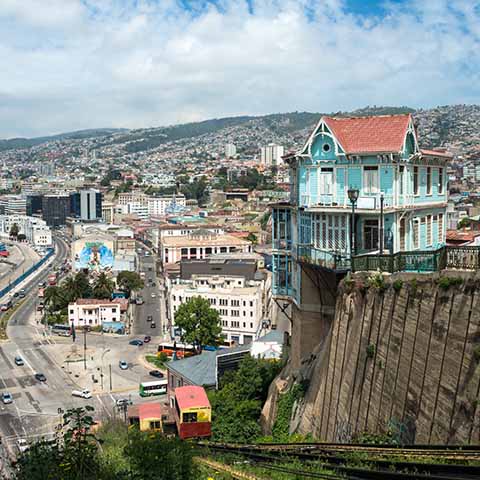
(154, 306)
(21, 258)
(34, 412)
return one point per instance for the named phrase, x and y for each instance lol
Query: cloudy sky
(74, 64)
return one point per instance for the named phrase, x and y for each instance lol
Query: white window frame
(440, 182)
(369, 187)
(428, 181)
(323, 174)
(416, 169)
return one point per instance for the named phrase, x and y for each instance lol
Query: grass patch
(158, 362)
(6, 317)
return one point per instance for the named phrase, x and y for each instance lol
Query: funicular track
(440, 462)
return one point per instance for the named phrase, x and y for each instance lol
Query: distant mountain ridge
(449, 125)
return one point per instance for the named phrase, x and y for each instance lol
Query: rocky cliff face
(402, 356)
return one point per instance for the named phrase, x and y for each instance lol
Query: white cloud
(69, 64)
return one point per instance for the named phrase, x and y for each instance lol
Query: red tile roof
(150, 410)
(436, 153)
(376, 134)
(191, 396)
(465, 236)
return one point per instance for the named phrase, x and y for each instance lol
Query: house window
(370, 180)
(184, 252)
(325, 181)
(429, 181)
(370, 234)
(155, 424)
(415, 180)
(401, 179)
(416, 236)
(429, 229)
(440, 181)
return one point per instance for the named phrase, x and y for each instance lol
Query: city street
(35, 408)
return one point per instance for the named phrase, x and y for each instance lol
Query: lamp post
(353, 197)
(381, 239)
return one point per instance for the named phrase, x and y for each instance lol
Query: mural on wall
(94, 256)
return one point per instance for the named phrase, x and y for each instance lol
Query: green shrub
(476, 353)
(370, 350)
(413, 286)
(397, 285)
(377, 282)
(446, 282)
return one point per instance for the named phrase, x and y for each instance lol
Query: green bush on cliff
(446, 282)
(397, 285)
(281, 427)
(377, 282)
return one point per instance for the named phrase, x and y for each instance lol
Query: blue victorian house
(358, 186)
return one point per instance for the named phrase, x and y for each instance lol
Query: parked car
(22, 445)
(139, 301)
(7, 397)
(136, 342)
(82, 393)
(147, 339)
(19, 361)
(40, 377)
(123, 364)
(153, 325)
(156, 373)
(42, 284)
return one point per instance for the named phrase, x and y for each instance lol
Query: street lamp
(353, 197)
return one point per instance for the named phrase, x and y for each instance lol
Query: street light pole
(85, 346)
(353, 197)
(381, 225)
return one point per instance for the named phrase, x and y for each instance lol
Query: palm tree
(103, 287)
(55, 299)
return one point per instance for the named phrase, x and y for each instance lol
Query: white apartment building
(94, 312)
(271, 155)
(36, 230)
(108, 212)
(238, 298)
(134, 208)
(160, 205)
(230, 150)
(199, 244)
(13, 204)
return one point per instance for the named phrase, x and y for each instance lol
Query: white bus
(62, 330)
(159, 387)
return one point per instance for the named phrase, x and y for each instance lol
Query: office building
(55, 209)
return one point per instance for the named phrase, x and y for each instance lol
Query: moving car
(153, 325)
(82, 393)
(147, 339)
(154, 294)
(7, 398)
(40, 377)
(149, 318)
(21, 293)
(120, 402)
(123, 364)
(22, 445)
(19, 361)
(156, 373)
(136, 342)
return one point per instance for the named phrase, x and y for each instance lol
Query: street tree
(103, 286)
(14, 230)
(55, 299)
(199, 322)
(129, 281)
(252, 238)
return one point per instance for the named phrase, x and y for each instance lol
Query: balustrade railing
(462, 258)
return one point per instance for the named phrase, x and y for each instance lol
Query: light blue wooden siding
(302, 179)
(355, 177)
(409, 146)
(313, 192)
(318, 152)
(422, 196)
(340, 186)
(389, 231)
(386, 179)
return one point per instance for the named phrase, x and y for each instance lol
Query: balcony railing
(322, 258)
(462, 258)
(364, 202)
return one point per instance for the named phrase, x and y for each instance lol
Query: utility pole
(85, 347)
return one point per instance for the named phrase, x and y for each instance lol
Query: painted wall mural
(94, 256)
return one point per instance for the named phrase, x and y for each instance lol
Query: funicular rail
(384, 461)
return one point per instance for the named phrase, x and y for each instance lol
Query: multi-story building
(399, 194)
(93, 312)
(108, 212)
(271, 155)
(86, 204)
(198, 245)
(161, 205)
(230, 150)
(36, 231)
(13, 204)
(55, 209)
(235, 287)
